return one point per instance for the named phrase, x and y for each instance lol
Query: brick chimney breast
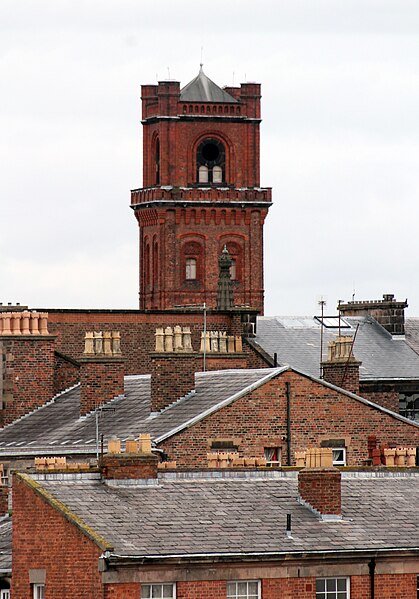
(101, 370)
(388, 312)
(341, 368)
(139, 464)
(319, 489)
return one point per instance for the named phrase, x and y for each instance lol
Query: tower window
(203, 174)
(157, 162)
(233, 271)
(190, 269)
(210, 161)
(217, 174)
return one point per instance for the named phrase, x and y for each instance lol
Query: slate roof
(58, 428)
(5, 545)
(232, 515)
(296, 340)
(202, 89)
(412, 333)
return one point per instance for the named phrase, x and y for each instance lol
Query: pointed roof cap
(202, 89)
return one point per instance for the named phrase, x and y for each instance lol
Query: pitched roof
(203, 515)
(57, 426)
(296, 341)
(412, 333)
(202, 89)
(5, 545)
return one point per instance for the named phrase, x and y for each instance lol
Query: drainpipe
(371, 567)
(288, 394)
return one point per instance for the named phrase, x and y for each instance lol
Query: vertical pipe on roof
(288, 395)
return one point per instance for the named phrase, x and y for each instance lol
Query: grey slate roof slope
(57, 428)
(201, 516)
(412, 333)
(296, 340)
(202, 89)
(5, 545)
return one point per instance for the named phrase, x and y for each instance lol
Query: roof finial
(201, 64)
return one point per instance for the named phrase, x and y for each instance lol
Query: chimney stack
(101, 370)
(173, 366)
(137, 463)
(341, 368)
(388, 312)
(319, 489)
(27, 363)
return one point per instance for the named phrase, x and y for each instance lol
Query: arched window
(190, 269)
(211, 156)
(147, 264)
(192, 254)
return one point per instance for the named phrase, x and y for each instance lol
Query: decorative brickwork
(321, 489)
(185, 220)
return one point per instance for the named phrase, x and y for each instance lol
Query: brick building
(315, 535)
(388, 362)
(255, 413)
(59, 395)
(201, 192)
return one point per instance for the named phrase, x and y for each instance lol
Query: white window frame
(203, 174)
(236, 595)
(333, 594)
(4, 593)
(217, 174)
(337, 462)
(159, 584)
(278, 453)
(38, 591)
(190, 269)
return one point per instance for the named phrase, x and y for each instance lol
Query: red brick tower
(201, 192)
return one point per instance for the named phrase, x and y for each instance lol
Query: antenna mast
(321, 303)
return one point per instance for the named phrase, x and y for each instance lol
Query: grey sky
(340, 141)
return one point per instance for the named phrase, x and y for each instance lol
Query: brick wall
(317, 414)
(321, 488)
(29, 377)
(386, 395)
(387, 586)
(342, 374)
(163, 241)
(66, 372)
(101, 379)
(44, 539)
(123, 466)
(137, 331)
(172, 376)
